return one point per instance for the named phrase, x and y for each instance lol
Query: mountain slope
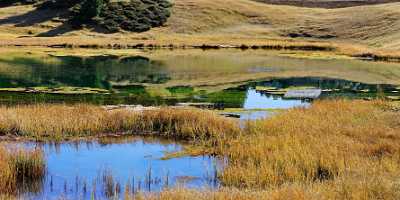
(223, 21)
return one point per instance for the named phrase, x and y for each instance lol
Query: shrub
(85, 11)
(136, 15)
(133, 15)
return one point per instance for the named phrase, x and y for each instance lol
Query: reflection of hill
(326, 83)
(97, 71)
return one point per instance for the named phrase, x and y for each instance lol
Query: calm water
(80, 170)
(258, 100)
(226, 77)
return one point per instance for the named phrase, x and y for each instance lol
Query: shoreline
(307, 47)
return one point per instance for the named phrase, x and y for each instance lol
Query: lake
(109, 167)
(250, 84)
(166, 77)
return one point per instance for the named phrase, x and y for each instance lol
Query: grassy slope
(326, 3)
(227, 22)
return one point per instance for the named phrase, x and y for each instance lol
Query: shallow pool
(103, 169)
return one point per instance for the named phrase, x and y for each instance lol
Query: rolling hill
(372, 27)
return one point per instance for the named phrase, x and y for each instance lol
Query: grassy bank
(336, 149)
(63, 122)
(20, 168)
(224, 23)
(329, 140)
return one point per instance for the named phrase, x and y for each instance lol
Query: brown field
(353, 30)
(336, 149)
(326, 3)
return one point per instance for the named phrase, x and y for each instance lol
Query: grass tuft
(20, 168)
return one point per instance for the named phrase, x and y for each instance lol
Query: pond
(107, 168)
(259, 100)
(245, 84)
(249, 80)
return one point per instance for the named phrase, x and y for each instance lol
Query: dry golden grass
(61, 121)
(336, 149)
(368, 189)
(19, 167)
(353, 31)
(222, 194)
(329, 140)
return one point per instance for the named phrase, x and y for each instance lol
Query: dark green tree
(92, 8)
(87, 10)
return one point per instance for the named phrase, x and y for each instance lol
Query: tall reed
(20, 168)
(336, 149)
(62, 121)
(329, 140)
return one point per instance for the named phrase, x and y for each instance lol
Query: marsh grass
(61, 121)
(335, 149)
(345, 149)
(20, 168)
(349, 190)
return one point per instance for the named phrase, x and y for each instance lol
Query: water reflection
(173, 77)
(96, 71)
(104, 168)
(269, 94)
(338, 85)
(259, 100)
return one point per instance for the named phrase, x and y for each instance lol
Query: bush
(136, 15)
(133, 15)
(85, 11)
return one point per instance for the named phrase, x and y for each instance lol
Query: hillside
(221, 22)
(327, 3)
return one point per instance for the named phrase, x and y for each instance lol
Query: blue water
(253, 115)
(256, 100)
(75, 170)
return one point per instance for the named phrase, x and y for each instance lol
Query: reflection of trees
(33, 187)
(98, 71)
(326, 83)
(229, 98)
